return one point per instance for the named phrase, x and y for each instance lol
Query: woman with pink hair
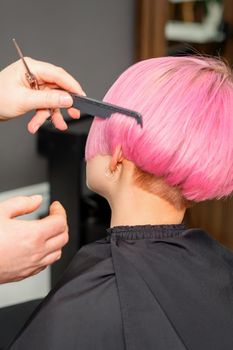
(153, 283)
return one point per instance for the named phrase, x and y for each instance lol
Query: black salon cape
(143, 288)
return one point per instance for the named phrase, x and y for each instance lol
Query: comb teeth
(102, 109)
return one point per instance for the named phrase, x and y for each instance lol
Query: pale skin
(17, 97)
(112, 178)
(27, 247)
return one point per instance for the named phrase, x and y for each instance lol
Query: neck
(134, 206)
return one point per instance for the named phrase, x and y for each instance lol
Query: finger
(51, 258)
(58, 121)
(47, 85)
(56, 243)
(73, 113)
(38, 119)
(47, 98)
(35, 272)
(52, 74)
(52, 225)
(57, 209)
(20, 205)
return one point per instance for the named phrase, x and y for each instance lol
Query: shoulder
(83, 309)
(208, 247)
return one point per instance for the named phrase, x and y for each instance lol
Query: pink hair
(187, 134)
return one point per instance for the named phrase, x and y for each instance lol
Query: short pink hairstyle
(187, 135)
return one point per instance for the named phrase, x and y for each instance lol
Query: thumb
(57, 209)
(20, 205)
(41, 99)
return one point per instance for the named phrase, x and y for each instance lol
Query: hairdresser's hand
(17, 98)
(27, 247)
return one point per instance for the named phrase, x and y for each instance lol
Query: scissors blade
(30, 77)
(21, 56)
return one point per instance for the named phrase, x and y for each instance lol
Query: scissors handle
(32, 81)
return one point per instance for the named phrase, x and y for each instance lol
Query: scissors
(84, 104)
(31, 79)
(29, 75)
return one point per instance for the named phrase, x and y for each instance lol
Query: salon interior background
(95, 41)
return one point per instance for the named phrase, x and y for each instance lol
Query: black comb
(102, 109)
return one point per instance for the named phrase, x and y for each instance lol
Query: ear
(117, 158)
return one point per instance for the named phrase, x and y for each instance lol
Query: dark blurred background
(93, 40)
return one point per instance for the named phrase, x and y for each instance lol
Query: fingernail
(84, 94)
(56, 204)
(36, 127)
(65, 101)
(36, 197)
